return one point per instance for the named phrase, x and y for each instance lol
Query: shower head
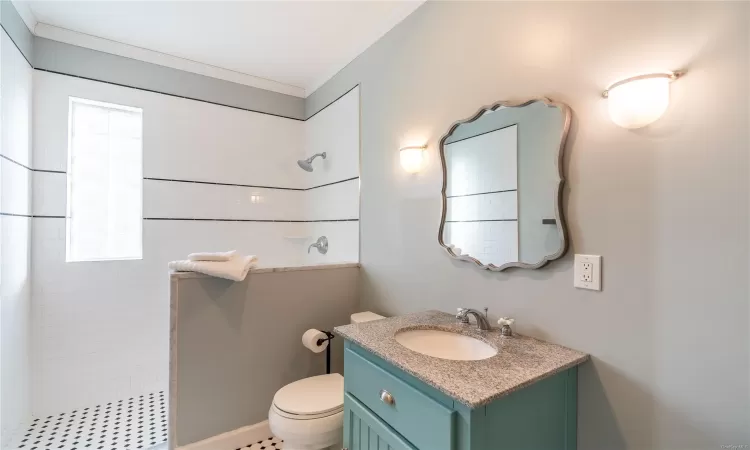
(306, 164)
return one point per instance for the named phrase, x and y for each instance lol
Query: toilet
(309, 414)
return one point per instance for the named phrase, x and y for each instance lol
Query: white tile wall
(478, 165)
(15, 186)
(15, 295)
(169, 199)
(343, 242)
(15, 92)
(490, 242)
(49, 191)
(15, 198)
(334, 130)
(484, 163)
(101, 328)
(182, 139)
(337, 201)
(501, 205)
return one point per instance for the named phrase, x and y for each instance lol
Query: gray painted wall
(666, 206)
(78, 61)
(12, 23)
(539, 131)
(238, 343)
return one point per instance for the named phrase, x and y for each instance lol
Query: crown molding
(141, 54)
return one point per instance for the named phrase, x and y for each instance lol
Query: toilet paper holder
(329, 338)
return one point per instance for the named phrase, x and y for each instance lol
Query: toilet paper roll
(310, 340)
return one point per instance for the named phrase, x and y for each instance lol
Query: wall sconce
(638, 101)
(412, 158)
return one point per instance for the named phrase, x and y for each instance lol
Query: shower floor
(272, 443)
(134, 423)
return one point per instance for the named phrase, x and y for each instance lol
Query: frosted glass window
(105, 181)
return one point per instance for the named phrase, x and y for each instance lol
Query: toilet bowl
(309, 414)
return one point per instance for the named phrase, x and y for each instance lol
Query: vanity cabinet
(387, 408)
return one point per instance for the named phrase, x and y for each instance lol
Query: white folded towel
(235, 269)
(215, 256)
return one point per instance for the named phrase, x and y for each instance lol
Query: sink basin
(445, 345)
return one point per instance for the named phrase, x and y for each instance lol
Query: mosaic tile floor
(272, 443)
(135, 423)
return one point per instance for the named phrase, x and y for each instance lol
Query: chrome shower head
(306, 164)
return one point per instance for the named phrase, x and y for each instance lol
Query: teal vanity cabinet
(386, 408)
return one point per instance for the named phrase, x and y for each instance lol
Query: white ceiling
(297, 43)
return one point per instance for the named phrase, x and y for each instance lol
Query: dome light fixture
(412, 158)
(639, 101)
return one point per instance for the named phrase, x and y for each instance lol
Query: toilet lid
(310, 396)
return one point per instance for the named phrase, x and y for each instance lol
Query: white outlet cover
(580, 272)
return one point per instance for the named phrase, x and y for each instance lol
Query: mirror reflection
(501, 186)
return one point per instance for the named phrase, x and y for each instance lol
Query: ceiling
(297, 43)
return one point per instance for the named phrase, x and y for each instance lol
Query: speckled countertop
(520, 360)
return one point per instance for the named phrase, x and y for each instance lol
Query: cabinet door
(363, 430)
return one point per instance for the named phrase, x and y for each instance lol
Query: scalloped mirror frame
(559, 215)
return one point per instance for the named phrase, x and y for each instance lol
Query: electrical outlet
(588, 272)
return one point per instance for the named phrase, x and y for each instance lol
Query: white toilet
(309, 414)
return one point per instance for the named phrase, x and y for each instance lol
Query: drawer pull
(386, 397)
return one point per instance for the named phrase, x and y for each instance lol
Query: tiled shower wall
(15, 208)
(215, 178)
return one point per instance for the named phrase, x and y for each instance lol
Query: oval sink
(445, 345)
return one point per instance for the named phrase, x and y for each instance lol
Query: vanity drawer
(425, 423)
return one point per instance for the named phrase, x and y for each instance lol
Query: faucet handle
(505, 323)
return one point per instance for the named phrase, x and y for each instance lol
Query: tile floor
(135, 423)
(272, 443)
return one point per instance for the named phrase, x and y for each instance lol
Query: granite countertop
(520, 360)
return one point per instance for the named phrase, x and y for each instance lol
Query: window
(104, 181)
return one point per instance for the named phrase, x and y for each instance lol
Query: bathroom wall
(100, 327)
(666, 206)
(215, 178)
(335, 131)
(15, 222)
(236, 344)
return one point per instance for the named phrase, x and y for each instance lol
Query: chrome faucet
(321, 245)
(482, 322)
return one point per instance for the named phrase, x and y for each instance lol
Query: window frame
(69, 182)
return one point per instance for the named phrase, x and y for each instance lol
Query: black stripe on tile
(31, 216)
(175, 180)
(248, 220)
(337, 99)
(484, 220)
(15, 162)
(329, 184)
(481, 134)
(50, 171)
(29, 168)
(481, 193)
(17, 47)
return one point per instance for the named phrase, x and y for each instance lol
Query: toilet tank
(367, 316)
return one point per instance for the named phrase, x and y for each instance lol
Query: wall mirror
(502, 185)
